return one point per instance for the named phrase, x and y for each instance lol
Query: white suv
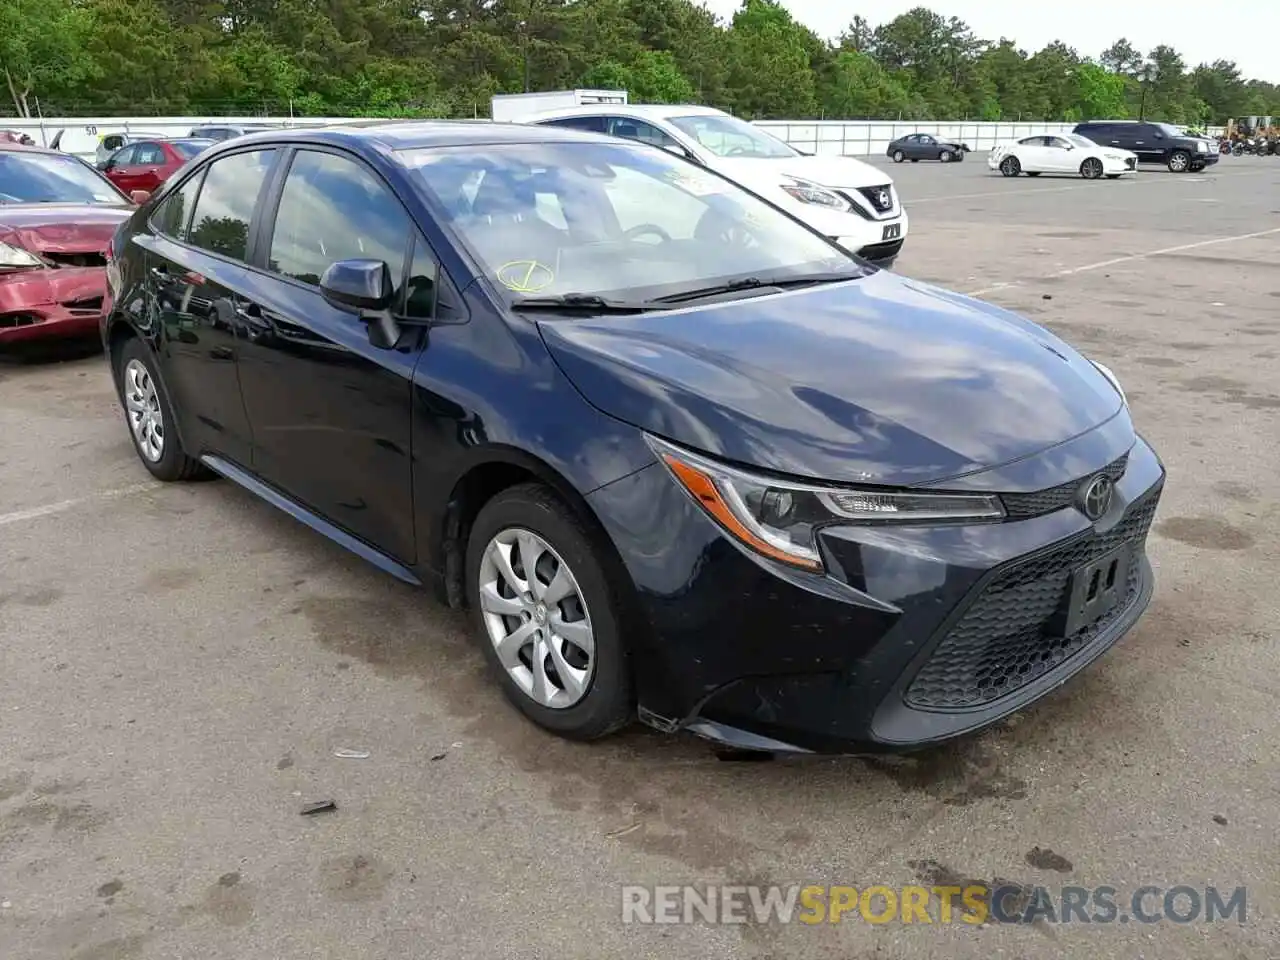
(849, 201)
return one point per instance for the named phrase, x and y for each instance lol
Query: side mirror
(365, 288)
(360, 285)
(139, 196)
(681, 152)
(103, 165)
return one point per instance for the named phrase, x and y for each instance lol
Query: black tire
(608, 704)
(1179, 161)
(944, 156)
(1092, 169)
(1010, 166)
(898, 156)
(1033, 173)
(173, 463)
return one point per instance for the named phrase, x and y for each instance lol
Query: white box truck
(514, 107)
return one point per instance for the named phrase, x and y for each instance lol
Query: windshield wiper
(752, 283)
(580, 302)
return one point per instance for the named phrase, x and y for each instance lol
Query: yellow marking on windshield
(525, 276)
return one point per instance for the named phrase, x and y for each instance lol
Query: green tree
(42, 51)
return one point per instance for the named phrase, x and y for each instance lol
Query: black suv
(1152, 142)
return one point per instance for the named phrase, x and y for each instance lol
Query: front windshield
(616, 220)
(727, 136)
(1080, 141)
(45, 178)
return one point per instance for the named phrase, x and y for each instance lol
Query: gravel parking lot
(179, 663)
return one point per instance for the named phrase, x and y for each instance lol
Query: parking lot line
(35, 513)
(1131, 257)
(1140, 181)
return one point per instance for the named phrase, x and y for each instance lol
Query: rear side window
(590, 124)
(630, 129)
(333, 208)
(224, 209)
(148, 154)
(175, 212)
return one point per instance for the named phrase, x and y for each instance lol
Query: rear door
(148, 169)
(1031, 154)
(330, 411)
(196, 262)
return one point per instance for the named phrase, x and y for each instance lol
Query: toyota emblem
(884, 199)
(1095, 496)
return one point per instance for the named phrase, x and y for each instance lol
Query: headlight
(1202, 147)
(807, 192)
(779, 518)
(1112, 379)
(16, 258)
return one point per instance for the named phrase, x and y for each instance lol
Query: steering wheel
(643, 229)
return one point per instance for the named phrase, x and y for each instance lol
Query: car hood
(61, 228)
(839, 172)
(882, 380)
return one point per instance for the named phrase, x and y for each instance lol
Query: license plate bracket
(1094, 591)
(892, 232)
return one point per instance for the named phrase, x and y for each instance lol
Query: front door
(330, 411)
(1059, 157)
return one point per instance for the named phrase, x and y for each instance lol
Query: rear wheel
(1010, 166)
(548, 617)
(1091, 169)
(898, 156)
(1179, 161)
(150, 417)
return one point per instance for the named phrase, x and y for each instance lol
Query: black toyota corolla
(681, 457)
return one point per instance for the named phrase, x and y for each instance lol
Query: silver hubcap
(1179, 162)
(536, 618)
(142, 405)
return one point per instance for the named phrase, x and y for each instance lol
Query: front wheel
(150, 416)
(548, 617)
(1091, 169)
(1179, 161)
(945, 156)
(898, 156)
(1010, 166)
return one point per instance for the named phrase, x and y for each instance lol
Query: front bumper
(914, 635)
(874, 239)
(56, 303)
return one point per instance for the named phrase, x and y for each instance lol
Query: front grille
(880, 198)
(1003, 640)
(87, 306)
(880, 251)
(75, 259)
(11, 321)
(1020, 506)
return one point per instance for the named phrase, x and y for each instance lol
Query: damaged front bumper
(54, 303)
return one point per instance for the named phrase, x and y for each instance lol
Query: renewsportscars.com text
(973, 904)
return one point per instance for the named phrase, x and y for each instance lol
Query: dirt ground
(178, 665)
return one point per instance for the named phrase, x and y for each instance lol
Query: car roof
(394, 135)
(636, 111)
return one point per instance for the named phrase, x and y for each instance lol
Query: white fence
(850, 138)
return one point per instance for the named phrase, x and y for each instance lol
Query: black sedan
(683, 458)
(924, 146)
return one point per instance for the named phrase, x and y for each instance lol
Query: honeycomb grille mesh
(1020, 506)
(1003, 641)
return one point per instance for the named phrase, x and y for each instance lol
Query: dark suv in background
(1153, 143)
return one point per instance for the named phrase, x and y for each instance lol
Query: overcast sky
(1246, 31)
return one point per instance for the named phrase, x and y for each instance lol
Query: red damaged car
(57, 217)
